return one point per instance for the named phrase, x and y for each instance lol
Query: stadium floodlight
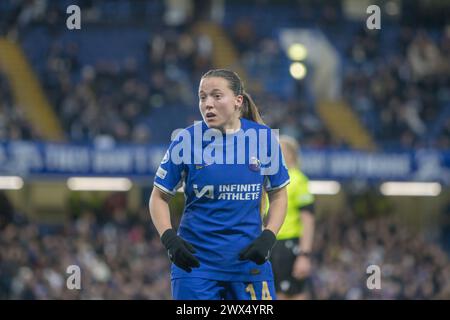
(392, 8)
(99, 184)
(297, 70)
(393, 188)
(11, 183)
(297, 52)
(324, 187)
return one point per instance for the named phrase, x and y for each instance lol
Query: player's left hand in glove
(180, 252)
(259, 250)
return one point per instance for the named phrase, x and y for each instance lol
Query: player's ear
(238, 101)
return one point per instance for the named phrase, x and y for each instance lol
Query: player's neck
(232, 127)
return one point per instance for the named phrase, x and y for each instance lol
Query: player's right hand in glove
(180, 252)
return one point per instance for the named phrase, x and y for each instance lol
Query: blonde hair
(293, 146)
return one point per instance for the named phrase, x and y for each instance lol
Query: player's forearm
(277, 209)
(306, 242)
(159, 211)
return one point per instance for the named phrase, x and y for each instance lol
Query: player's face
(219, 107)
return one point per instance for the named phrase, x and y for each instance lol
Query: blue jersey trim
(279, 187)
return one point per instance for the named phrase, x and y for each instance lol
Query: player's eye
(218, 96)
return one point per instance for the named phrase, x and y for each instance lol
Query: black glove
(259, 250)
(180, 252)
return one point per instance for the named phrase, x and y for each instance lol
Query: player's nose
(209, 102)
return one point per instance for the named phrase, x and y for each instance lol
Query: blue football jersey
(223, 181)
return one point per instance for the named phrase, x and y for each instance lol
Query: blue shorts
(206, 289)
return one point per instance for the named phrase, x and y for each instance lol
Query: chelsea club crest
(255, 164)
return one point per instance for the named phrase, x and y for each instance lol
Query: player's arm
(180, 251)
(302, 265)
(159, 210)
(277, 209)
(308, 221)
(259, 250)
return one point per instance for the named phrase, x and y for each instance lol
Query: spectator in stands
(424, 56)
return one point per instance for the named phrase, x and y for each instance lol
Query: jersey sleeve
(170, 173)
(278, 176)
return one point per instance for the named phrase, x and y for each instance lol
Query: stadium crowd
(411, 266)
(398, 91)
(399, 94)
(112, 98)
(119, 258)
(397, 80)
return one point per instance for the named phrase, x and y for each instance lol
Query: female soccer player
(221, 250)
(291, 256)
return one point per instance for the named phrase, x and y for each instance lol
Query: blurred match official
(291, 256)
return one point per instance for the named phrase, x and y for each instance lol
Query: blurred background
(370, 109)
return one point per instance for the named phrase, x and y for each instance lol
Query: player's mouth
(210, 116)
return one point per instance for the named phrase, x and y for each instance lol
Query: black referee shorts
(282, 258)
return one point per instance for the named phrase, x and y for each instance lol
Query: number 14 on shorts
(265, 293)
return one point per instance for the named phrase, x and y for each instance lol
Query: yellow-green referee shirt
(298, 197)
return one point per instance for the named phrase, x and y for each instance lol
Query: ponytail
(249, 109)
